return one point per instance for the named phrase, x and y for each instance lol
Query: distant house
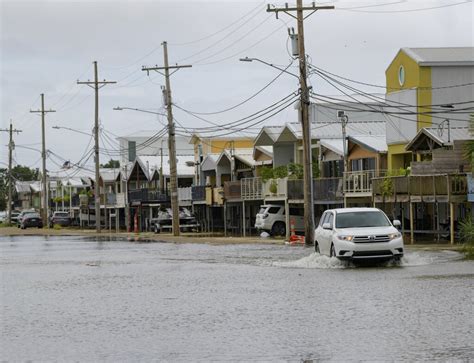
(423, 86)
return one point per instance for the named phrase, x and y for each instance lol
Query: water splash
(314, 260)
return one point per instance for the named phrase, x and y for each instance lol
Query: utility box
(294, 45)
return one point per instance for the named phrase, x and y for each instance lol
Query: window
(401, 75)
(362, 219)
(330, 219)
(273, 210)
(321, 221)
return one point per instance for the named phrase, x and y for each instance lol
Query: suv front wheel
(279, 229)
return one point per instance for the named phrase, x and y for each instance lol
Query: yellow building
(420, 81)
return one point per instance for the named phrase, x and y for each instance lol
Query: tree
(19, 172)
(111, 164)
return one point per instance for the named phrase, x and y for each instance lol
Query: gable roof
(438, 136)
(268, 135)
(451, 56)
(374, 143)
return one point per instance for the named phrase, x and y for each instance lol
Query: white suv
(358, 234)
(271, 218)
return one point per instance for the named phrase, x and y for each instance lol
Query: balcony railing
(295, 188)
(252, 188)
(142, 195)
(327, 189)
(233, 190)
(429, 186)
(198, 193)
(184, 194)
(359, 182)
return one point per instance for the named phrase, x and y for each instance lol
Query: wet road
(72, 299)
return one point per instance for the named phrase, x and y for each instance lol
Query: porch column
(451, 221)
(225, 219)
(243, 217)
(412, 233)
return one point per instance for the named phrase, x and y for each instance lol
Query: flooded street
(73, 299)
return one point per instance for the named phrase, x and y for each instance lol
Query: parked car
(60, 218)
(3, 216)
(271, 218)
(22, 214)
(358, 234)
(31, 220)
(15, 216)
(187, 222)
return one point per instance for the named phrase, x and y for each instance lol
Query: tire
(278, 229)
(333, 251)
(316, 247)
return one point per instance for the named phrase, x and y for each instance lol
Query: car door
(318, 234)
(327, 234)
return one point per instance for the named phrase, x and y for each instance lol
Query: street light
(306, 139)
(441, 125)
(247, 59)
(118, 108)
(68, 128)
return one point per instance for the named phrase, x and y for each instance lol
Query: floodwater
(72, 299)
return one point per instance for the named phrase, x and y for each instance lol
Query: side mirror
(327, 226)
(397, 223)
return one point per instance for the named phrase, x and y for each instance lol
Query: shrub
(266, 173)
(467, 237)
(57, 227)
(280, 172)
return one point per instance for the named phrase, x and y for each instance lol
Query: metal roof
(22, 186)
(109, 174)
(327, 130)
(456, 56)
(335, 145)
(375, 143)
(154, 163)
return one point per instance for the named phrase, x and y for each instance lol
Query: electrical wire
(245, 100)
(221, 30)
(404, 11)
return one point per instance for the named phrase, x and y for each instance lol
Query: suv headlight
(345, 238)
(394, 235)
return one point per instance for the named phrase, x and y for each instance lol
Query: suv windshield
(361, 219)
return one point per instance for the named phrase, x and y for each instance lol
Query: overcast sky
(46, 46)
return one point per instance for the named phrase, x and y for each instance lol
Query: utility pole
(171, 134)
(43, 112)
(96, 85)
(344, 120)
(11, 146)
(304, 109)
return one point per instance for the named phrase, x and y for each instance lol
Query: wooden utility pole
(96, 85)
(171, 135)
(44, 215)
(11, 146)
(304, 109)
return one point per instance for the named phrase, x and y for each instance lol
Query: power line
(404, 11)
(221, 30)
(245, 100)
